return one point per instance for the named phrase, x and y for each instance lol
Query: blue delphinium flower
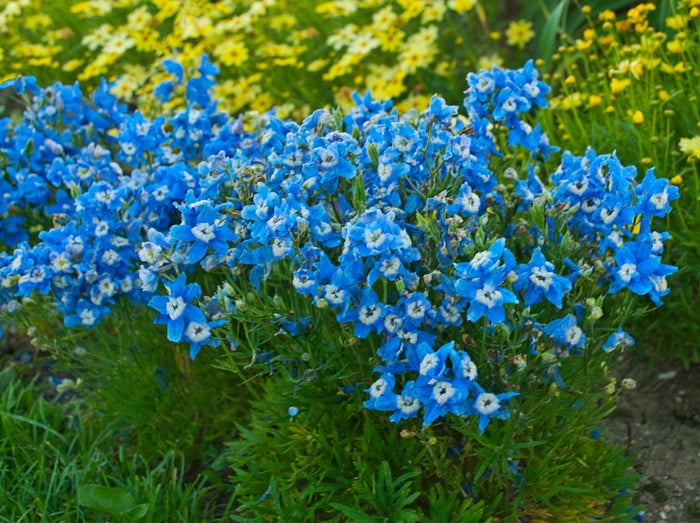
(566, 332)
(538, 280)
(488, 405)
(209, 230)
(367, 315)
(655, 195)
(481, 282)
(176, 309)
(618, 340)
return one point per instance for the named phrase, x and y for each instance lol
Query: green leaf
(548, 37)
(373, 154)
(137, 512)
(113, 500)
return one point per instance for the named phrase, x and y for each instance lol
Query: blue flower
(618, 339)
(655, 195)
(209, 231)
(367, 315)
(538, 280)
(382, 396)
(176, 309)
(566, 332)
(489, 405)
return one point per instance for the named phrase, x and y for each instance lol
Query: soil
(658, 423)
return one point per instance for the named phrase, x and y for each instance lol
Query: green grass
(52, 449)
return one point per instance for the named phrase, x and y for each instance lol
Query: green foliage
(51, 451)
(116, 501)
(155, 397)
(554, 18)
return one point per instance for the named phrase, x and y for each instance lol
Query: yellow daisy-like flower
(638, 117)
(232, 53)
(519, 32)
(617, 85)
(594, 100)
(489, 60)
(461, 6)
(691, 146)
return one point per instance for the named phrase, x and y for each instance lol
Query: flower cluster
(403, 49)
(403, 227)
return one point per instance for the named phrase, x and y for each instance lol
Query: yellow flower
(70, 65)
(363, 43)
(92, 8)
(677, 179)
(433, 12)
(391, 39)
(519, 32)
(607, 16)
(489, 60)
(231, 53)
(616, 86)
(676, 46)
(340, 38)
(690, 146)
(386, 82)
(571, 79)
(582, 45)
(411, 8)
(674, 69)
(638, 117)
(571, 101)
(461, 6)
(594, 100)
(676, 22)
(383, 19)
(317, 65)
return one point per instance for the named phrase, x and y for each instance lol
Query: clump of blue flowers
(439, 243)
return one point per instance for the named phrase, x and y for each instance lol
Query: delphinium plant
(628, 85)
(419, 316)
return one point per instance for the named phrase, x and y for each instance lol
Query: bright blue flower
(641, 271)
(210, 230)
(538, 280)
(176, 309)
(655, 195)
(618, 339)
(566, 332)
(486, 297)
(442, 396)
(367, 315)
(488, 405)
(382, 396)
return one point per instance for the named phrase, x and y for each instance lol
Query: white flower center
(627, 270)
(443, 391)
(204, 232)
(369, 314)
(573, 335)
(175, 307)
(197, 332)
(378, 388)
(429, 362)
(541, 277)
(488, 296)
(487, 403)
